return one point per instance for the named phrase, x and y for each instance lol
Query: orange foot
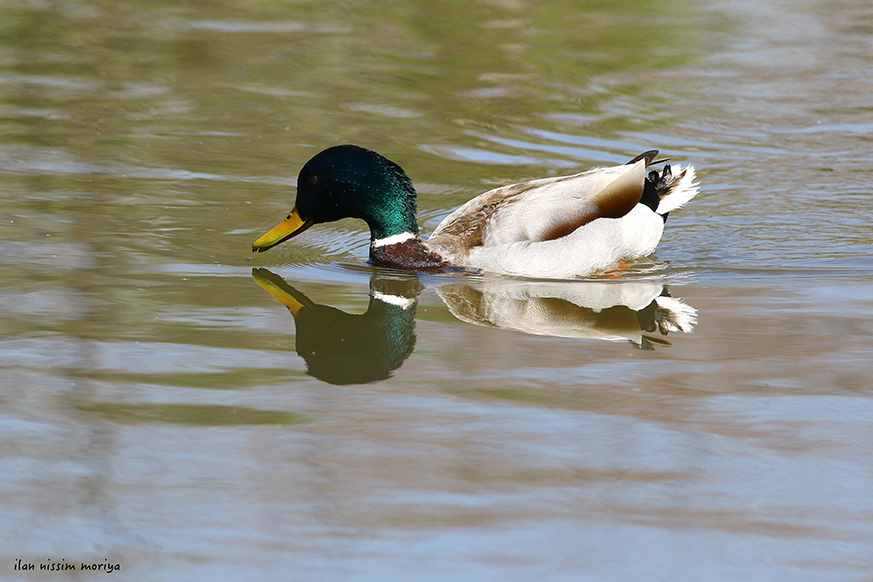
(615, 272)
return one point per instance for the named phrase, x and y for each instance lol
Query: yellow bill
(291, 226)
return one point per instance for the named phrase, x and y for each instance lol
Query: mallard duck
(553, 228)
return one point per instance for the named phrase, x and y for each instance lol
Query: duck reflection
(344, 348)
(606, 310)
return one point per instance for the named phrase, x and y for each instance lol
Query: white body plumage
(561, 227)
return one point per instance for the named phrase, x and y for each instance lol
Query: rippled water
(180, 408)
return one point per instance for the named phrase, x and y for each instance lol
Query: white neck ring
(393, 239)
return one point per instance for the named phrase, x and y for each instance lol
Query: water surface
(164, 411)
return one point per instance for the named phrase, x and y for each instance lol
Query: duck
(553, 228)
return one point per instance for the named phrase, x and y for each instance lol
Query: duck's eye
(312, 181)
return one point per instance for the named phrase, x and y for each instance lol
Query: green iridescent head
(348, 181)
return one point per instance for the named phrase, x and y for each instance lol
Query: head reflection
(605, 310)
(345, 348)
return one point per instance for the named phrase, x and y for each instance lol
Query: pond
(177, 407)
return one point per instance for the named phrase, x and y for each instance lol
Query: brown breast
(410, 254)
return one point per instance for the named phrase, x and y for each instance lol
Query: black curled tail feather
(658, 186)
(649, 156)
